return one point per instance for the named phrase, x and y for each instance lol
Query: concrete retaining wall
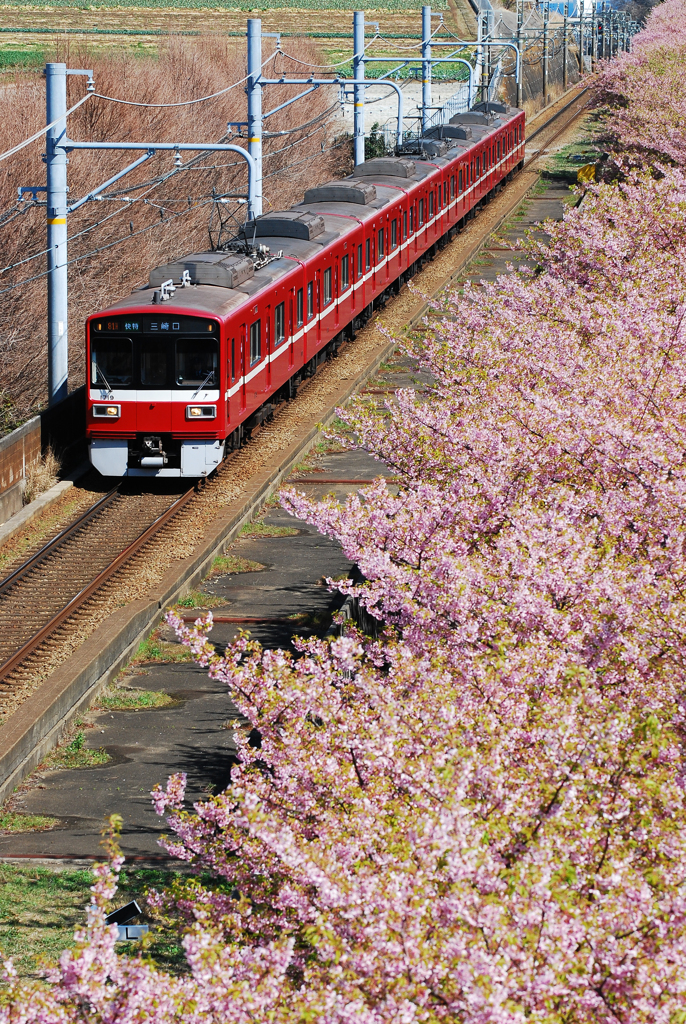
(18, 452)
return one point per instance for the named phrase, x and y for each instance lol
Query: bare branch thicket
(185, 69)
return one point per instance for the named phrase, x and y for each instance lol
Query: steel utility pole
(545, 52)
(56, 166)
(520, 18)
(254, 93)
(426, 67)
(565, 46)
(358, 94)
(582, 65)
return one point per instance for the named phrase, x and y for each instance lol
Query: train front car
(156, 399)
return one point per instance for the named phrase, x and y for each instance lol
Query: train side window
(345, 272)
(431, 203)
(445, 191)
(310, 300)
(233, 359)
(255, 341)
(478, 167)
(299, 313)
(368, 254)
(404, 223)
(279, 324)
(394, 234)
(359, 260)
(380, 249)
(328, 293)
(452, 185)
(412, 220)
(498, 150)
(421, 213)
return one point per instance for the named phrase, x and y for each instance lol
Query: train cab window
(452, 185)
(404, 223)
(359, 260)
(255, 341)
(328, 292)
(112, 362)
(154, 363)
(233, 359)
(380, 249)
(345, 272)
(279, 324)
(431, 203)
(421, 213)
(368, 254)
(310, 300)
(394, 234)
(196, 363)
(299, 312)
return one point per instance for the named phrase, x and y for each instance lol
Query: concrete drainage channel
(274, 602)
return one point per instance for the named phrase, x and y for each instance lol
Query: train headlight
(107, 411)
(201, 412)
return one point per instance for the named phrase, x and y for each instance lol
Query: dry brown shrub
(41, 475)
(184, 69)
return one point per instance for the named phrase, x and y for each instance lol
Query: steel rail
(87, 591)
(554, 117)
(56, 542)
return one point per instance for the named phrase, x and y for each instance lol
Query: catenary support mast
(56, 166)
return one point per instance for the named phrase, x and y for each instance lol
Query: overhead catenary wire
(108, 245)
(308, 64)
(182, 103)
(153, 183)
(26, 142)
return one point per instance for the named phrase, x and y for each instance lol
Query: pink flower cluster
(479, 816)
(646, 90)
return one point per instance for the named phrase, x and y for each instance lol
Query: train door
(155, 373)
(242, 365)
(230, 376)
(336, 292)
(318, 304)
(289, 340)
(268, 346)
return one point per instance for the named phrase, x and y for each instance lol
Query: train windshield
(196, 363)
(111, 362)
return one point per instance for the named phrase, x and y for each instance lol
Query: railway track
(50, 585)
(48, 588)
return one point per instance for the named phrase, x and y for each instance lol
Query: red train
(182, 369)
